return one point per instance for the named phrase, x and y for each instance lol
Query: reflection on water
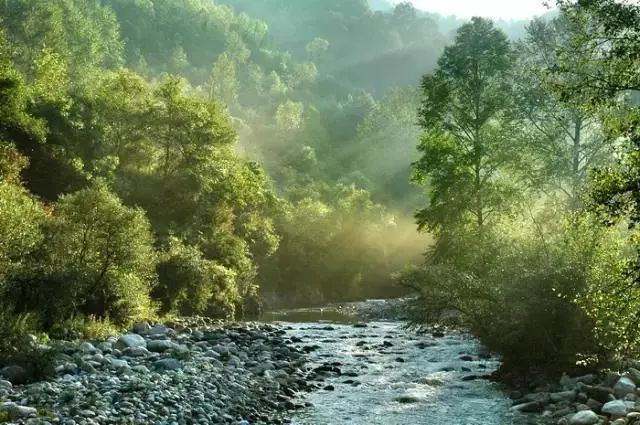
(391, 376)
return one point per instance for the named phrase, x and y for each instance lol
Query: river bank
(192, 371)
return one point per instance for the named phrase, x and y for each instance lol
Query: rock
(585, 417)
(141, 328)
(15, 411)
(15, 374)
(136, 352)
(594, 405)
(602, 394)
(167, 364)
(623, 387)
(5, 385)
(432, 382)
(157, 331)
(466, 358)
(130, 341)
(634, 374)
(530, 407)
(615, 408)
(568, 396)
(161, 345)
(407, 399)
(118, 363)
(87, 348)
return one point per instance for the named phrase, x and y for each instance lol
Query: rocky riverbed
(194, 371)
(611, 398)
(325, 366)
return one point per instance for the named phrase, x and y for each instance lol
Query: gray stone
(161, 345)
(136, 352)
(118, 363)
(585, 417)
(167, 364)
(157, 331)
(615, 408)
(634, 374)
(5, 385)
(623, 387)
(15, 411)
(87, 348)
(568, 396)
(130, 341)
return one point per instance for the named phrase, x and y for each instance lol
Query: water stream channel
(381, 373)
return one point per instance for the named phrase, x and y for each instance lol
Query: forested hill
(169, 157)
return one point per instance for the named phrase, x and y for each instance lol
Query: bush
(192, 285)
(20, 219)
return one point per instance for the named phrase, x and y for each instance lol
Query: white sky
(496, 9)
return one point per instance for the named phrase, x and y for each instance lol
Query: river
(381, 373)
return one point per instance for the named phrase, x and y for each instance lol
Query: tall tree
(469, 143)
(565, 138)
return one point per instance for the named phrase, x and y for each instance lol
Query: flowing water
(390, 375)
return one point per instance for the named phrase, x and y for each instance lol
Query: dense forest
(201, 157)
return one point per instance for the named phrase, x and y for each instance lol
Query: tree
(97, 259)
(469, 144)
(565, 138)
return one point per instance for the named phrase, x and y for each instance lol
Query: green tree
(565, 138)
(97, 259)
(469, 144)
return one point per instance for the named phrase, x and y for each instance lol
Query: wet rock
(407, 399)
(530, 407)
(466, 358)
(585, 417)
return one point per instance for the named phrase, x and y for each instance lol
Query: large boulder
(615, 408)
(161, 345)
(15, 374)
(130, 341)
(586, 417)
(634, 374)
(15, 411)
(623, 387)
(167, 364)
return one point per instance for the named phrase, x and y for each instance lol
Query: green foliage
(20, 232)
(97, 259)
(468, 148)
(192, 285)
(83, 327)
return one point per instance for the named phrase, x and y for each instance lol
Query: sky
(496, 9)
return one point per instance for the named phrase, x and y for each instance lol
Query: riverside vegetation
(162, 159)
